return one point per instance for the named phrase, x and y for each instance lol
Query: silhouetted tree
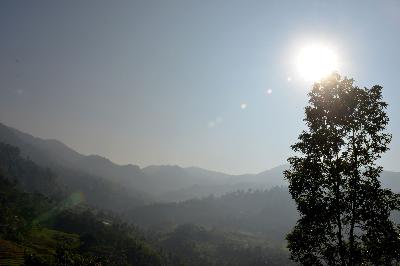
(344, 212)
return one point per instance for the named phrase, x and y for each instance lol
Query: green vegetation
(270, 213)
(67, 216)
(60, 229)
(44, 231)
(196, 245)
(345, 214)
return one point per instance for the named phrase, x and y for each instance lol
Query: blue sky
(162, 82)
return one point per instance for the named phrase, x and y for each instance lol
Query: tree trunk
(339, 234)
(353, 182)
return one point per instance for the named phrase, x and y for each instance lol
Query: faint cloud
(243, 106)
(289, 79)
(20, 92)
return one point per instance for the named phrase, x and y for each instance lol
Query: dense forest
(59, 207)
(270, 213)
(42, 223)
(200, 133)
(42, 229)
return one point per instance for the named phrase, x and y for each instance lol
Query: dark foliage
(270, 212)
(103, 240)
(18, 209)
(334, 179)
(195, 245)
(38, 230)
(104, 237)
(27, 174)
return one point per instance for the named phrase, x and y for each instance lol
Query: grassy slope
(39, 241)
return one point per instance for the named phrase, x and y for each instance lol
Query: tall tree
(344, 212)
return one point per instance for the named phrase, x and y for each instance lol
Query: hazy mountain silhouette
(67, 164)
(270, 212)
(149, 184)
(258, 204)
(217, 184)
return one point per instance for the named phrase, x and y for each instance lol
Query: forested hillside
(59, 228)
(270, 213)
(117, 186)
(53, 208)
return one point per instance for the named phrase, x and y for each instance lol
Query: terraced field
(11, 253)
(40, 241)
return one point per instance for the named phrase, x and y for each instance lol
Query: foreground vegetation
(42, 224)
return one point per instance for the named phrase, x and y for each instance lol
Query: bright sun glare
(316, 61)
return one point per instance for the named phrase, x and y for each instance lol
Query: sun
(316, 61)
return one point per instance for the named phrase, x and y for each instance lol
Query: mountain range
(117, 186)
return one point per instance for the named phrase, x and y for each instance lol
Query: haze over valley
(182, 132)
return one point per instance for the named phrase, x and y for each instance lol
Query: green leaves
(333, 179)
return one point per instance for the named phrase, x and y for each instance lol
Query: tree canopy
(333, 178)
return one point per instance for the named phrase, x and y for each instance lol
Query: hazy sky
(193, 83)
